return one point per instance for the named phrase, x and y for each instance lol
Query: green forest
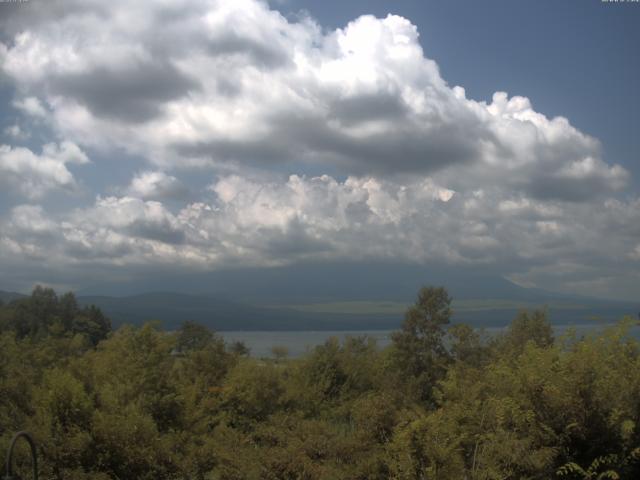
(443, 401)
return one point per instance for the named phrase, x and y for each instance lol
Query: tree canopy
(441, 402)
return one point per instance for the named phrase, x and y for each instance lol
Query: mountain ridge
(330, 297)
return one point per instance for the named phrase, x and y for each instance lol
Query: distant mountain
(327, 282)
(6, 297)
(292, 313)
(171, 309)
(330, 296)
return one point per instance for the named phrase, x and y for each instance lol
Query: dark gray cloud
(252, 51)
(98, 253)
(15, 17)
(292, 242)
(367, 108)
(397, 148)
(152, 230)
(570, 189)
(134, 94)
(254, 151)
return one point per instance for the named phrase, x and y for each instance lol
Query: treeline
(441, 402)
(44, 314)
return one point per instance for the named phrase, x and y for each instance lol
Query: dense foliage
(442, 402)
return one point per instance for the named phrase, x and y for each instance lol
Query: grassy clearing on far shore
(370, 307)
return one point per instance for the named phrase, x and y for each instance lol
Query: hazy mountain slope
(7, 297)
(326, 282)
(171, 309)
(330, 297)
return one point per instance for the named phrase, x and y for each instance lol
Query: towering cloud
(316, 144)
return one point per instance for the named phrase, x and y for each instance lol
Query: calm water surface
(299, 342)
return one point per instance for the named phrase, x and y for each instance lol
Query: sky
(143, 138)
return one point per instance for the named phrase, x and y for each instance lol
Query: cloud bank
(317, 145)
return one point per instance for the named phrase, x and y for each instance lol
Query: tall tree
(419, 349)
(193, 336)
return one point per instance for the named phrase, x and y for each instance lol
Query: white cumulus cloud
(405, 166)
(33, 175)
(238, 83)
(156, 185)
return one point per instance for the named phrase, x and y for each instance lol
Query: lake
(299, 342)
